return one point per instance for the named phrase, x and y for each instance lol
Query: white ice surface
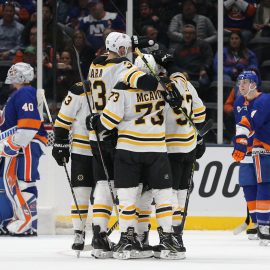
(205, 250)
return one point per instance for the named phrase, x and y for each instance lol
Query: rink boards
(216, 203)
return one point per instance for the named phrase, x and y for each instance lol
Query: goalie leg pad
(103, 205)
(163, 200)
(82, 195)
(22, 218)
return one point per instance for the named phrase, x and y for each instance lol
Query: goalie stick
(242, 227)
(209, 123)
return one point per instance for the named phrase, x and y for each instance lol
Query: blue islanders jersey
(21, 110)
(243, 107)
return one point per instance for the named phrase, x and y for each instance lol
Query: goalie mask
(20, 73)
(116, 40)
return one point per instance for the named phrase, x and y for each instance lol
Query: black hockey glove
(93, 122)
(172, 94)
(200, 148)
(60, 151)
(141, 42)
(163, 58)
(110, 138)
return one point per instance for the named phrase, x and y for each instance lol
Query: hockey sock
(144, 209)
(250, 193)
(263, 203)
(163, 200)
(103, 205)
(127, 209)
(83, 197)
(176, 218)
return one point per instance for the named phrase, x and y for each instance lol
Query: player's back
(140, 119)
(180, 135)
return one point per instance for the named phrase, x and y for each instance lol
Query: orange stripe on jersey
(41, 138)
(244, 121)
(258, 168)
(251, 205)
(257, 142)
(27, 163)
(263, 204)
(29, 123)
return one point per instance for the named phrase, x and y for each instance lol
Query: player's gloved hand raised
(141, 42)
(172, 94)
(240, 147)
(200, 148)
(8, 148)
(162, 58)
(91, 121)
(60, 151)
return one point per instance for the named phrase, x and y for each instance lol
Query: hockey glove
(8, 148)
(163, 58)
(200, 148)
(60, 151)
(172, 94)
(240, 147)
(141, 42)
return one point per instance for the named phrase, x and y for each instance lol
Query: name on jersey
(148, 96)
(95, 73)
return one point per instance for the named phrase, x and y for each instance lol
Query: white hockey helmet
(20, 73)
(142, 66)
(115, 40)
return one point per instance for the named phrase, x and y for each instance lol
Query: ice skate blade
(135, 254)
(168, 255)
(125, 255)
(78, 253)
(264, 243)
(253, 237)
(101, 254)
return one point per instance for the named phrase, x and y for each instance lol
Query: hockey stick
(96, 133)
(242, 226)
(205, 128)
(190, 188)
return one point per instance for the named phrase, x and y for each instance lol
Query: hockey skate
(252, 233)
(168, 247)
(264, 235)
(102, 246)
(147, 250)
(177, 237)
(3, 231)
(129, 246)
(28, 233)
(78, 245)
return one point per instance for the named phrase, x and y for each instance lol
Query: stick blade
(242, 227)
(206, 128)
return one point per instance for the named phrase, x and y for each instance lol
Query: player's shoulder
(103, 61)
(77, 88)
(25, 92)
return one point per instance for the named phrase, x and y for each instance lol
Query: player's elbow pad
(147, 83)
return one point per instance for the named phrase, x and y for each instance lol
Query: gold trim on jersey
(199, 119)
(129, 132)
(79, 136)
(105, 122)
(199, 110)
(102, 66)
(88, 94)
(180, 135)
(65, 117)
(80, 206)
(129, 72)
(81, 145)
(181, 139)
(137, 143)
(112, 115)
(134, 77)
(59, 124)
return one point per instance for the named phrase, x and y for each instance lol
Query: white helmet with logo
(151, 60)
(20, 73)
(115, 40)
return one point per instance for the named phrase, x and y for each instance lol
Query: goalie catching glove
(141, 42)
(60, 151)
(8, 148)
(240, 147)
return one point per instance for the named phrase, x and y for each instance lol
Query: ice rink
(210, 250)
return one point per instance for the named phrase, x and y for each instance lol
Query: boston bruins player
(140, 154)
(71, 121)
(104, 73)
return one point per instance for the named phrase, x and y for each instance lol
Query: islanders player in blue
(20, 153)
(258, 122)
(247, 83)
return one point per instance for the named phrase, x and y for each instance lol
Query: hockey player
(247, 176)
(70, 122)
(183, 147)
(104, 73)
(257, 121)
(140, 154)
(21, 151)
